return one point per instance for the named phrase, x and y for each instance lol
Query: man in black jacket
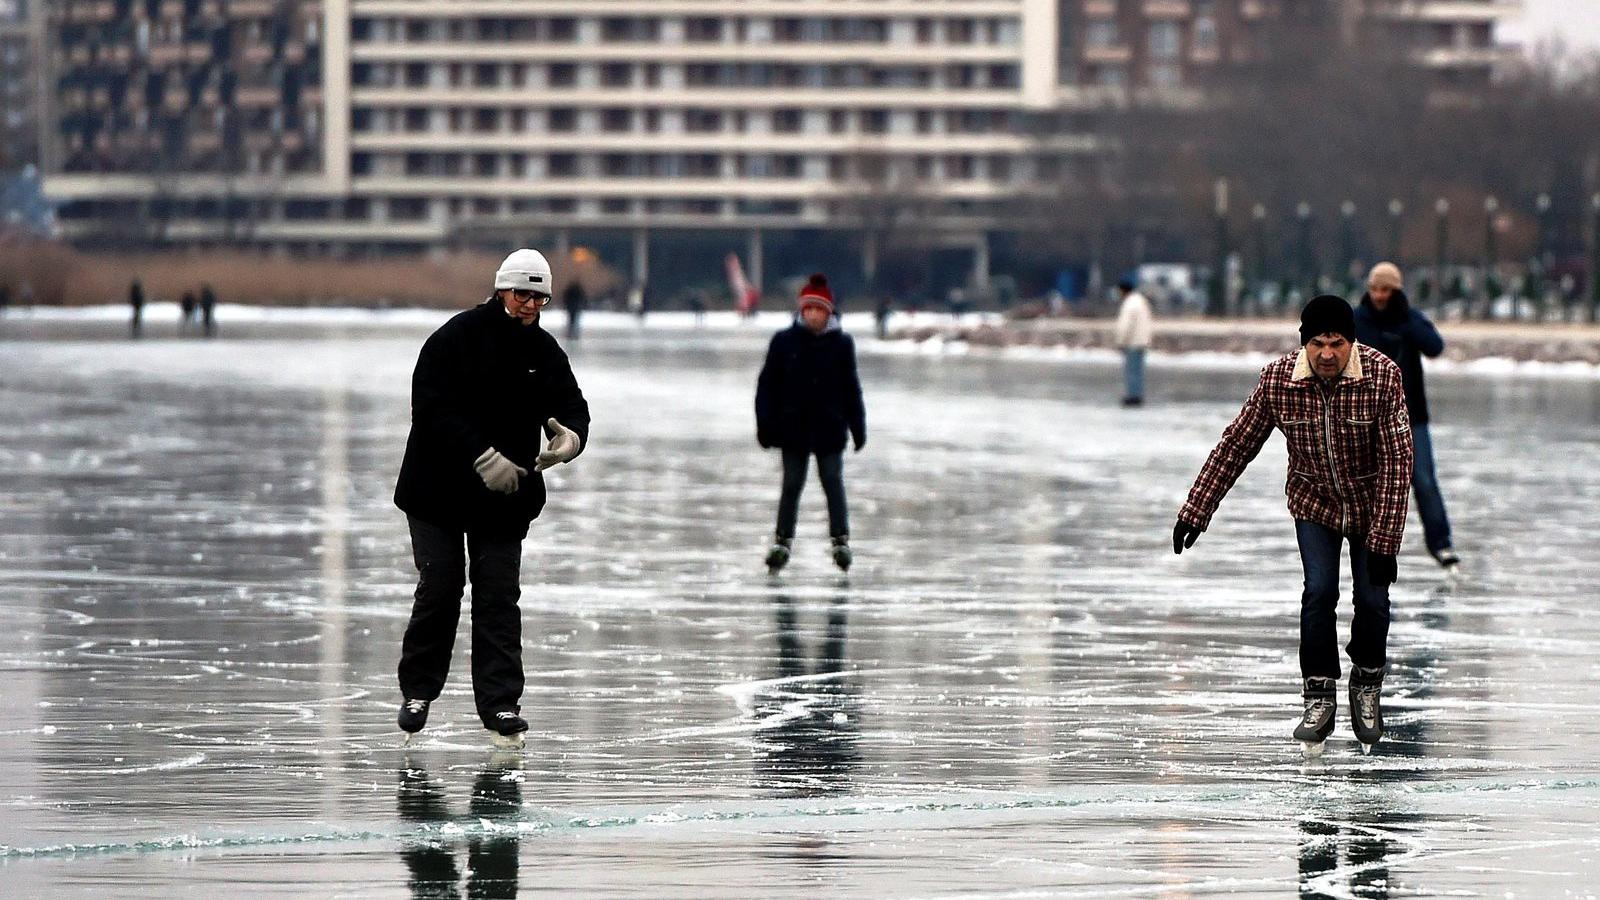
(807, 398)
(1386, 322)
(485, 383)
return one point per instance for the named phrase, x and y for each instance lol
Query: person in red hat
(808, 401)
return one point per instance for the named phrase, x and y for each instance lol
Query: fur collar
(1352, 369)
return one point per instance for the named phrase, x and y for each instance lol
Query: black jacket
(1405, 336)
(809, 395)
(484, 380)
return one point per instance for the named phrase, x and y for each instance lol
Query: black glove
(1381, 569)
(1183, 536)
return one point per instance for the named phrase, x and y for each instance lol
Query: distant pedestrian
(208, 310)
(186, 309)
(485, 384)
(1134, 325)
(136, 303)
(574, 299)
(808, 400)
(880, 316)
(1386, 322)
(1342, 410)
(5, 298)
(697, 305)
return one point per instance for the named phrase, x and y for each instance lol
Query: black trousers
(494, 565)
(830, 468)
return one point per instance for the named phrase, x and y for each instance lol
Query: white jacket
(1134, 322)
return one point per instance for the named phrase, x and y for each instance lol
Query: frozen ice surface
(1019, 692)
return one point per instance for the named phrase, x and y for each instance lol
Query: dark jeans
(494, 565)
(830, 468)
(1430, 504)
(1319, 625)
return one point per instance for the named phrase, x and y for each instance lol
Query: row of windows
(691, 120)
(958, 31)
(590, 76)
(811, 167)
(1163, 39)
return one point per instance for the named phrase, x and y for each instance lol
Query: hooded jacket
(1405, 336)
(484, 380)
(809, 393)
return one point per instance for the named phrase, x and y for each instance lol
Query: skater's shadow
(490, 826)
(1347, 853)
(813, 705)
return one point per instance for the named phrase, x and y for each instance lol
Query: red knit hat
(816, 293)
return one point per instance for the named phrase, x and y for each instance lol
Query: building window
(1165, 75)
(408, 209)
(1163, 40)
(787, 121)
(702, 30)
(1099, 34)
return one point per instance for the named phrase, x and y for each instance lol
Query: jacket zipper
(1333, 470)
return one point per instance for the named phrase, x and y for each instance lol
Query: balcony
(1166, 9)
(257, 95)
(1448, 10)
(1099, 9)
(252, 9)
(162, 55)
(1114, 54)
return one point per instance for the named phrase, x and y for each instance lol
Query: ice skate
(413, 715)
(778, 556)
(1366, 708)
(1317, 722)
(842, 557)
(1449, 560)
(507, 730)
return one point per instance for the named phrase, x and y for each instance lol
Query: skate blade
(1311, 749)
(505, 741)
(405, 742)
(1366, 749)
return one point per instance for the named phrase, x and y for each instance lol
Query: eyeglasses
(538, 297)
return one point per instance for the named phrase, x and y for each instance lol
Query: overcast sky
(1577, 21)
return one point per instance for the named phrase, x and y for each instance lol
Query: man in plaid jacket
(1342, 409)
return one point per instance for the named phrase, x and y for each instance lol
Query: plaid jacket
(1350, 447)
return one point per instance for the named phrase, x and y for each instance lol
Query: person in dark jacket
(484, 384)
(808, 399)
(136, 302)
(1386, 322)
(574, 299)
(208, 310)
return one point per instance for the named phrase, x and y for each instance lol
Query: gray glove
(498, 473)
(564, 445)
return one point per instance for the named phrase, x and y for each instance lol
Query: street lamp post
(1347, 238)
(1259, 214)
(1594, 262)
(1537, 271)
(1302, 212)
(1219, 274)
(1441, 211)
(1491, 209)
(1396, 210)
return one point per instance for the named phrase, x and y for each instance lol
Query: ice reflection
(493, 817)
(812, 704)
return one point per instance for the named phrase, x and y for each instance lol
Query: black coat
(809, 395)
(484, 380)
(1405, 336)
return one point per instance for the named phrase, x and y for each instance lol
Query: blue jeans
(1430, 505)
(1319, 623)
(1133, 373)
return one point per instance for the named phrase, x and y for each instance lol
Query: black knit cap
(1325, 314)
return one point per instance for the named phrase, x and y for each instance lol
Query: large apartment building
(393, 125)
(19, 131)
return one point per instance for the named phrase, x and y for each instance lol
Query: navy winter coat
(809, 395)
(484, 380)
(1405, 336)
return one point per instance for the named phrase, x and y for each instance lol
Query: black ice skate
(413, 715)
(508, 728)
(778, 556)
(842, 557)
(1317, 722)
(1449, 560)
(1366, 708)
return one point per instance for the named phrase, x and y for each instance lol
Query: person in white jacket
(1134, 325)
